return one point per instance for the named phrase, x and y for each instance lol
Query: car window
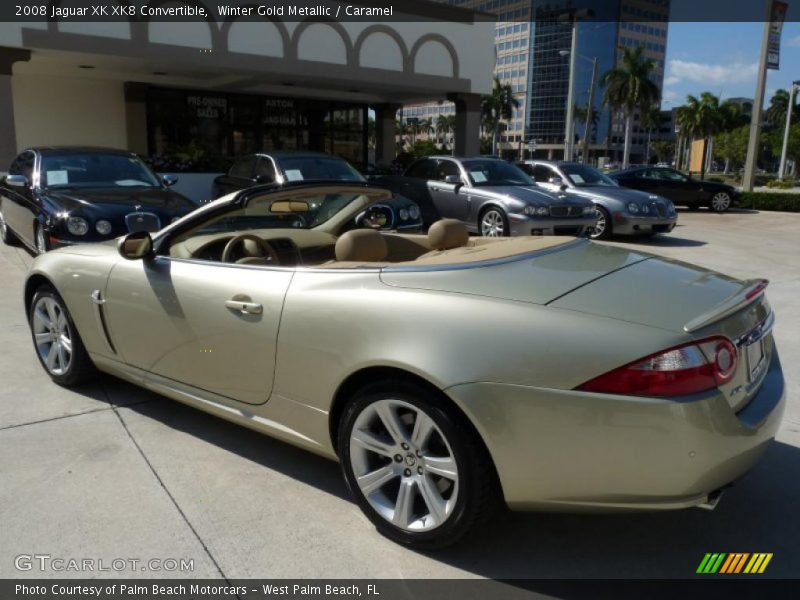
(318, 168)
(95, 170)
(670, 175)
(444, 169)
(420, 169)
(526, 168)
(491, 172)
(265, 168)
(244, 167)
(23, 165)
(542, 173)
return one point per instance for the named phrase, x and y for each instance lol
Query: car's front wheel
(58, 345)
(415, 468)
(720, 202)
(493, 223)
(603, 227)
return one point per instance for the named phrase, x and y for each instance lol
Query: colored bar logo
(734, 563)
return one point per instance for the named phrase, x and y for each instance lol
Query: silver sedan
(620, 211)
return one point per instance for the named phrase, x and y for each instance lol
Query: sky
(722, 58)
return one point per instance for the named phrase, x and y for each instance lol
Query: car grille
(660, 209)
(566, 211)
(142, 221)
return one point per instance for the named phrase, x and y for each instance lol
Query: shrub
(781, 184)
(768, 201)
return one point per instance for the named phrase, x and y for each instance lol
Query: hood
(123, 200)
(621, 194)
(529, 195)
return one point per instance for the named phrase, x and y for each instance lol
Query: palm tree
(445, 126)
(581, 113)
(776, 112)
(402, 129)
(731, 118)
(685, 121)
(497, 107)
(703, 119)
(628, 89)
(650, 119)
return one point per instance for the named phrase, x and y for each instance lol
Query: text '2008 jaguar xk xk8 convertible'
(448, 374)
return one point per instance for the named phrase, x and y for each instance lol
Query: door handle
(246, 308)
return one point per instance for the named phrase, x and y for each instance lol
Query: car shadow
(758, 514)
(662, 241)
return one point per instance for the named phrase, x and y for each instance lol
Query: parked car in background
(446, 373)
(58, 196)
(620, 210)
(492, 197)
(682, 189)
(297, 167)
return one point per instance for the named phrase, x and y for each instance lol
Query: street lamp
(782, 169)
(572, 17)
(589, 108)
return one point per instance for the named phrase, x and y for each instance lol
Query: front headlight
(633, 208)
(671, 208)
(403, 213)
(77, 226)
(589, 210)
(413, 211)
(103, 227)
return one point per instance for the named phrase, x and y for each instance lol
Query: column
(385, 143)
(136, 117)
(468, 124)
(8, 141)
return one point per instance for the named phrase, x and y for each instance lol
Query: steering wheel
(267, 251)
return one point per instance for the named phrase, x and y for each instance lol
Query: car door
(450, 199)
(207, 324)
(414, 186)
(20, 205)
(671, 184)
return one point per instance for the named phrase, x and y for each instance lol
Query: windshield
(318, 168)
(583, 176)
(265, 213)
(495, 172)
(95, 170)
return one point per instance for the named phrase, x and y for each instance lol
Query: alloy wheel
(52, 335)
(403, 465)
(720, 202)
(600, 225)
(492, 224)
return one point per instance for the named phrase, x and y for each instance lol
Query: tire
(40, 240)
(55, 338)
(6, 234)
(493, 223)
(607, 229)
(442, 506)
(720, 202)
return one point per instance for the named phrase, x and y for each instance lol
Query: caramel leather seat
(361, 245)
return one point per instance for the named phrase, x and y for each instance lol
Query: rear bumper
(525, 225)
(627, 225)
(574, 451)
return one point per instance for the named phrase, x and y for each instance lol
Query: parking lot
(112, 471)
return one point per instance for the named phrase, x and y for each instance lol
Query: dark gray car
(492, 197)
(621, 211)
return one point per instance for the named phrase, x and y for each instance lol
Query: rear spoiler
(753, 289)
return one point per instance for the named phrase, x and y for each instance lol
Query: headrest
(446, 234)
(361, 245)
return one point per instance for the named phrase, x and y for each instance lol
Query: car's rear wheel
(42, 245)
(720, 202)
(5, 233)
(58, 345)
(603, 229)
(493, 223)
(415, 468)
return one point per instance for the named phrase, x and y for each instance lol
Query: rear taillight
(680, 371)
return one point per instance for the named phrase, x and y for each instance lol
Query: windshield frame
(156, 181)
(526, 180)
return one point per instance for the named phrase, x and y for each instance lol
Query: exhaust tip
(711, 501)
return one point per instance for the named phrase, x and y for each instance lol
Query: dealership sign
(777, 17)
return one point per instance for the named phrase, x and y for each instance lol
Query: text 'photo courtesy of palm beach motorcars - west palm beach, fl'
(457, 251)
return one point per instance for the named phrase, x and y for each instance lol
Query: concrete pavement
(112, 471)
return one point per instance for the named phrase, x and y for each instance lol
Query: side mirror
(452, 179)
(169, 180)
(264, 178)
(136, 246)
(17, 180)
(563, 187)
(555, 180)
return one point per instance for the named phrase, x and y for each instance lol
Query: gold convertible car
(449, 375)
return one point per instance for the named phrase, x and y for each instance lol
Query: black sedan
(682, 189)
(58, 196)
(292, 168)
